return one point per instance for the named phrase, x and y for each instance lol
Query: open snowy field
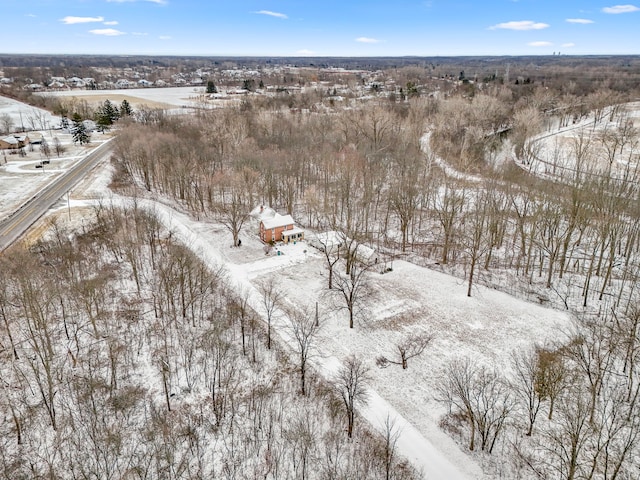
(24, 117)
(408, 300)
(170, 97)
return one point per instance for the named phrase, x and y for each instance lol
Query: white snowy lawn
(25, 117)
(408, 300)
(175, 96)
(405, 301)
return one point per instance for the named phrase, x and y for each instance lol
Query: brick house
(280, 228)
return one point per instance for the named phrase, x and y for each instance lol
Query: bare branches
(272, 299)
(481, 397)
(351, 383)
(233, 207)
(353, 289)
(410, 347)
(305, 330)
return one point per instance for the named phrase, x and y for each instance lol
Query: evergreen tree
(80, 133)
(125, 109)
(106, 114)
(211, 87)
(248, 84)
(102, 122)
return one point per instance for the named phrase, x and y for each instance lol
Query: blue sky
(327, 28)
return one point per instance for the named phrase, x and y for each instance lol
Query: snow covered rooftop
(278, 221)
(11, 140)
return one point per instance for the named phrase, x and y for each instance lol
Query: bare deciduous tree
(233, 207)
(409, 347)
(567, 440)
(480, 397)
(304, 330)
(6, 123)
(354, 290)
(391, 436)
(271, 300)
(448, 206)
(551, 378)
(351, 383)
(527, 371)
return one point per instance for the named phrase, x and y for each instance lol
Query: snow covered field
(171, 97)
(409, 299)
(25, 117)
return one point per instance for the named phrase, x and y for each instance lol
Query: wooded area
(440, 178)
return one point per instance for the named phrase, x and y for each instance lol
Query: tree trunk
(471, 272)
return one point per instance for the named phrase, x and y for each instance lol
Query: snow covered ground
(167, 97)
(408, 300)
(25, 117)
(555, 149)
(20, 179)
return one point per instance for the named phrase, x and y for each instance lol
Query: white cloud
(30, 15)
(164, 37)
(112, 22)
(521, 25)
(568, 45)
(108, 32)
(539, 44)
(367, 40)
(140, 34)
(73, 20)
(583, 21)
(272, 14)
(620, 9)
(159, 2)
(304, 51)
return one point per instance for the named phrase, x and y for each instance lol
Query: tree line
(363, 173)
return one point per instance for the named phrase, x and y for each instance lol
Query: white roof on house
(278, 221)
(10, 140)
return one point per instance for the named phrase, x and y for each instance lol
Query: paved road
(12, 228)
